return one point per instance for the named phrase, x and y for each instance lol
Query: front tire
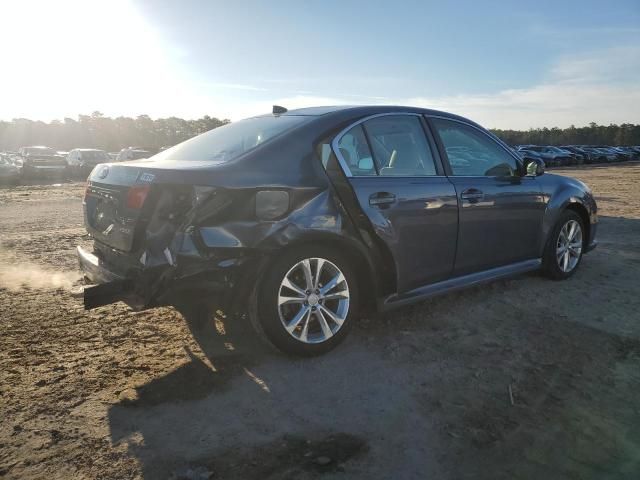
(565, 247)
(307, 300)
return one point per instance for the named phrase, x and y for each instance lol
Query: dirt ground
(524, 378)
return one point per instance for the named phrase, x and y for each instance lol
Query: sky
(503, 64)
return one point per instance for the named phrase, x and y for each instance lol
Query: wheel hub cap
(569, 246)
(313, 300)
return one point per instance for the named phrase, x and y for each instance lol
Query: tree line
(98, 131)
(113, 134)
(627, 134)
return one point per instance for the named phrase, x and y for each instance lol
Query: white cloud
(547, 105)
(601, 86)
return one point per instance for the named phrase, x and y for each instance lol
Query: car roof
(89, 150)
(366, 110)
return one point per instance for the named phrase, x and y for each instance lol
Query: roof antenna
(277, 110)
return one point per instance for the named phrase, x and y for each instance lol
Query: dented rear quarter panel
(236, 245)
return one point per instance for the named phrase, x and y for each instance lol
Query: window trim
(429, 137)
(443, 151)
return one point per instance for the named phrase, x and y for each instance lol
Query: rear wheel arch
(368, 275)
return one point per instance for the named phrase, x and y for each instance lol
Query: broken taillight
(137, 195)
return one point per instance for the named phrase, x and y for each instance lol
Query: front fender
(562, 193)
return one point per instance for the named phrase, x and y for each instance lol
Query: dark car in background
(304, 219)
(552, 156)
(606, 154)
(42, 162)
(587, 157)
(626, 153)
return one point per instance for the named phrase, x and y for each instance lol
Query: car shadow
(229, 349)
(180, 424)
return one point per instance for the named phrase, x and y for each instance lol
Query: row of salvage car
(45, 162)
(40, 162)
(578, 154)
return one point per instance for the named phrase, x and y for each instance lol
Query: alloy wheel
(569, 246)
(313, 300)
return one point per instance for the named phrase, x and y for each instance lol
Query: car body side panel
(500, 228)
(420, 227)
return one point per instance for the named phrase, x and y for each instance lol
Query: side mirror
(534, 167)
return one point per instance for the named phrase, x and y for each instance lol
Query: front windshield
(230, 141)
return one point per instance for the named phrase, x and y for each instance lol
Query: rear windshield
(230, 141)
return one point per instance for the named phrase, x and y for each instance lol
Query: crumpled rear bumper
(110, 286)
(234, 278)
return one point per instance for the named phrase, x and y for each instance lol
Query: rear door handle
(381, 198)
(472, 195)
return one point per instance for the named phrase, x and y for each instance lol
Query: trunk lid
(121, 197)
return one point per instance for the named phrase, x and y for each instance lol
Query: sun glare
(78, 56)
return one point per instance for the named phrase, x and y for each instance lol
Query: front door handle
(381, 199)
(472, 195)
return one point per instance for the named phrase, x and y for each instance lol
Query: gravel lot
(525, 378)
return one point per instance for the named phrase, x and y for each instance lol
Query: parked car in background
(587, 157)
(576, 158)
(82, 160)
(132, 153)
(625, 153)
(552, 156)
(9, 173)
(305, 219)
(523, 153)
(596, 156)
(42, 162)
(114, 155)
(607, 154)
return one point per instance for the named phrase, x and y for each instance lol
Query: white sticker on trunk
(146, 177)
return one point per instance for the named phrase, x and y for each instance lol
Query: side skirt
(458, 283)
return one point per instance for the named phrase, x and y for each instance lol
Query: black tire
(266, 314)
(550, 264)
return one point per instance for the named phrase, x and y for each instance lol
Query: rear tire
(302, 312)
(565, 247)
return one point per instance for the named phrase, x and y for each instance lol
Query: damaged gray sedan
(305, 219)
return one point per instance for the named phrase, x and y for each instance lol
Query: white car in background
(132, 153)
(82, 160)
(9, 173)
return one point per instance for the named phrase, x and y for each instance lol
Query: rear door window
(400, 147)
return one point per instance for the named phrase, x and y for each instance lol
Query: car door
(500, 210)
(401, 187)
